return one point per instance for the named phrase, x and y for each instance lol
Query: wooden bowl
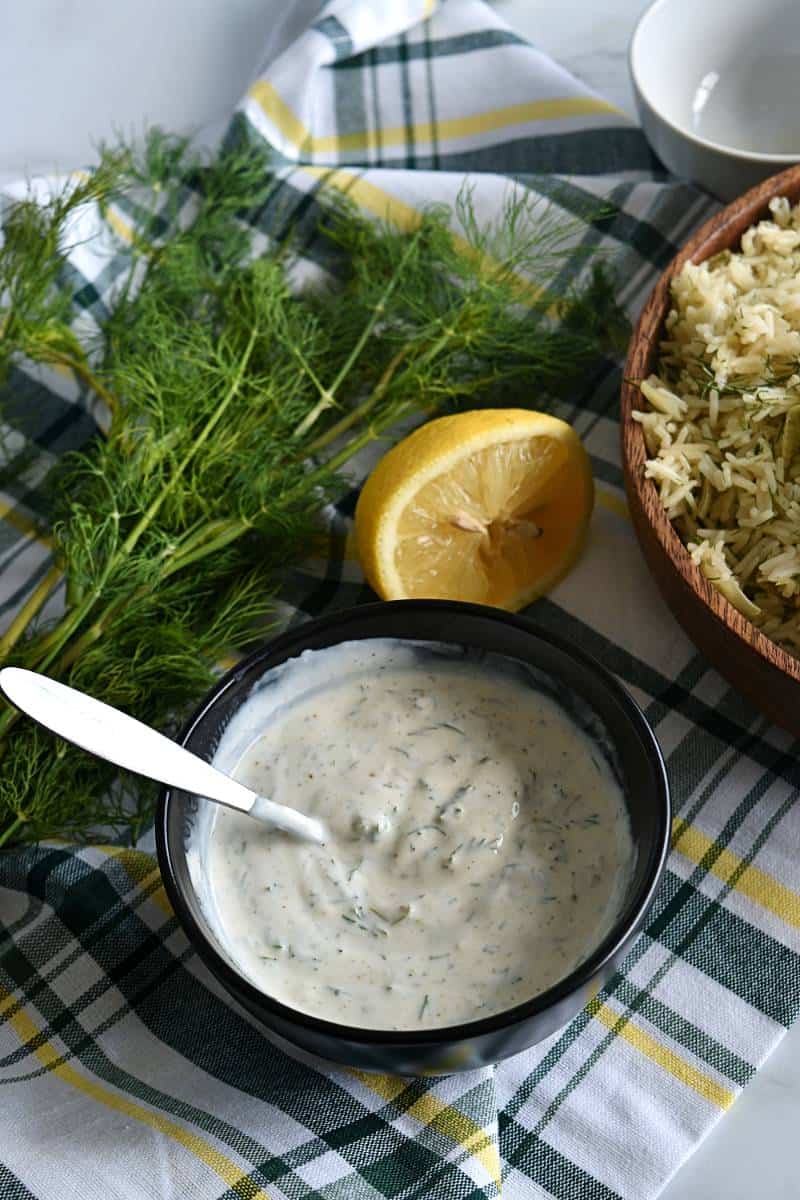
(755, 665)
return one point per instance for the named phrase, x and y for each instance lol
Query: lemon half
(490, 506)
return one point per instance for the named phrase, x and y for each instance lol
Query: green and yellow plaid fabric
(123, 1070)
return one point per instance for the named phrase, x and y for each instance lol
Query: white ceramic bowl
(717, 86)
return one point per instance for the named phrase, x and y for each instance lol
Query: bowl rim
(751, 156)
(750, 205)
(623, 929)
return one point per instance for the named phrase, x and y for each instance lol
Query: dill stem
(30, 608)
(48, 639)
(227, 532)
(88, 377)
(376, 428)
(194, 545)
(355, 414)
(381, 387)
(89, 636)
(330, 435)
(447, 335)
(363, 439)
(11, 829)
(328, 398)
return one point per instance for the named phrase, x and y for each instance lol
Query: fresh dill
(232, 404)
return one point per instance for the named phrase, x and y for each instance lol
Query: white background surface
(73, 71)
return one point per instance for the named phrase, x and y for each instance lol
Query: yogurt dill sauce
(480, 846)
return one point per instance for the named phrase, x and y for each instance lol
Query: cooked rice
(723, 424)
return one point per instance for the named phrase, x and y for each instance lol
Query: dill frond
(235, 403)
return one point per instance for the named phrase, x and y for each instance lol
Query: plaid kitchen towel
(123, 1070)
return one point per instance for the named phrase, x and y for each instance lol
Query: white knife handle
(126, 742)
(120, 739)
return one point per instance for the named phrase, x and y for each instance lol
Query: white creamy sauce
(479, 849)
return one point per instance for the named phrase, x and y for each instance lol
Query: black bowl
(582, 686)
